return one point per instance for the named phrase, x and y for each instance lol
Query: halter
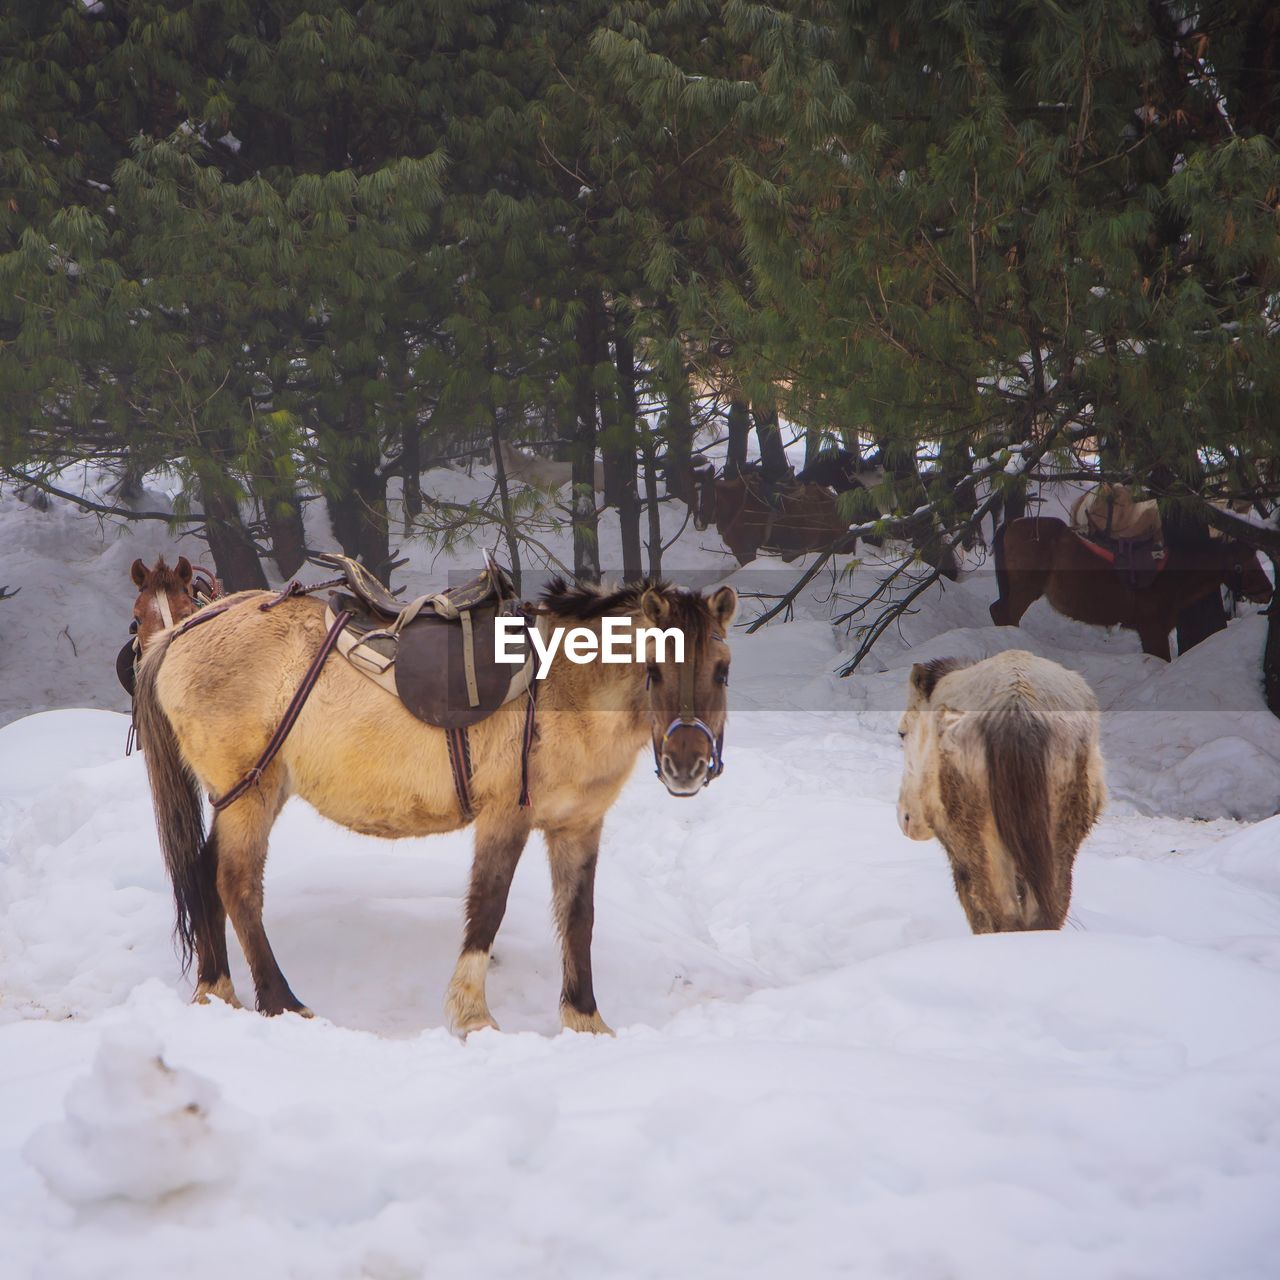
(689, 719)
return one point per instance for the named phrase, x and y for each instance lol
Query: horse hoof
(220, 990)
(299, 1010)
(485, 1023)
(587, 1023)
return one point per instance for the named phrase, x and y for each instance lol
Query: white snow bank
(817, 1068)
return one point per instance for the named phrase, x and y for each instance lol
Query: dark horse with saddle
(792, 515)
(1142, 586)
(753, 512)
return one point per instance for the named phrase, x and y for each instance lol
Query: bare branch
(87, 504)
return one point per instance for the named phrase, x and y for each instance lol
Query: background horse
(209, 699)
(1002, 764)
(166, 596)
(1040, 556)
(749, 519)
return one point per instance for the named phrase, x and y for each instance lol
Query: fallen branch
(87, 504)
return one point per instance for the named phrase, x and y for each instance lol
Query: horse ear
(724, 606)
(183, 568)
(139, 574)
(655, 606)
(925, 675)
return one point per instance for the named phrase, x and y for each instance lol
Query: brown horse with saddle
(245, 703)
(752, 514)
(1041, 556)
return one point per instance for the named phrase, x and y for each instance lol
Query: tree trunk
(677, 432)
(358, 512)
(739, 430)
(235, 558)
(624, 460)
(411, 474)
(283, 514)
(1271, 650)
(586, 541)
(773, 457)
(647, 447)
(358, 507)
(812, 444)
(504, 499)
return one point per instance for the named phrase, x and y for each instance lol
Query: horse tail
(176, 798)
(1017, 746)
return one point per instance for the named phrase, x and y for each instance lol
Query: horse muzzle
(689, 757)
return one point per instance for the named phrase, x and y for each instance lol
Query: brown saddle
(438, 653)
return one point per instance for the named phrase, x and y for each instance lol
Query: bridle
(202, 590)
(688, 718)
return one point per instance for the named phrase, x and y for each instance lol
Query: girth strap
(459, 744)
(291, 714)
(460, 763)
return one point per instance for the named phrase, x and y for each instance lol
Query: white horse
(1002, 765)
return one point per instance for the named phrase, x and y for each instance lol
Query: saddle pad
(126, 668)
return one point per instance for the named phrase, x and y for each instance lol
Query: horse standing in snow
(1002, 765)
(211, 695)
(1041, 556)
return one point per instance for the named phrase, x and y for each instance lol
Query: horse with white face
(1002, 765)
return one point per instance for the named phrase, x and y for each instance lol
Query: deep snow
(817, 1070)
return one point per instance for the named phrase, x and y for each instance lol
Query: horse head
(688, 704)
(918, 733)
(166, 595)
(1244, 573)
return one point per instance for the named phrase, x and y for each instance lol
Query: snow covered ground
(818, 1071)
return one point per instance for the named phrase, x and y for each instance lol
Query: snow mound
(136, 1129)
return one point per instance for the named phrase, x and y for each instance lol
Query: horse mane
(162, 576)
(585, 602)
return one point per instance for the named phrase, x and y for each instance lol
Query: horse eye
(721, 677)
(652, 675)
(902, 735)
(133, 627)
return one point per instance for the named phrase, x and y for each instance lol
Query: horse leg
(499, 842)
(573, 880)
(240, 832)
(1155, 639)
(213, 973)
